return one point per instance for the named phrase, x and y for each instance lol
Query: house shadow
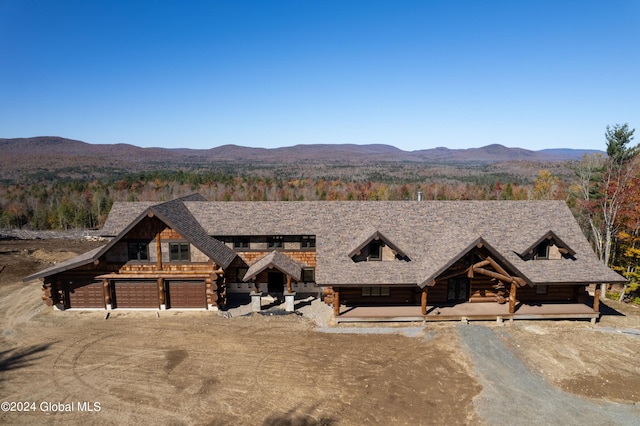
(14, 359)
(608, 310)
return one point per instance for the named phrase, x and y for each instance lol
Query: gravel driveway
(513, 394)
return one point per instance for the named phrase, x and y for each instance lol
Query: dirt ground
(201, 368)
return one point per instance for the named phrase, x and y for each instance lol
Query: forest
(602, 191)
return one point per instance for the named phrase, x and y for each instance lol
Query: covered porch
(467, 312)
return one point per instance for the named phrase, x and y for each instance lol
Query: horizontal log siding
(437, 294)
(555, 293)
(397, 296)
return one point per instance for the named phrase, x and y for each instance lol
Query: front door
(276, 282)
(458, 289)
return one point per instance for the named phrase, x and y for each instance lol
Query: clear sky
(415, 74)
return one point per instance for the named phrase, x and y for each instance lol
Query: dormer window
(375, 250)
(549, 247)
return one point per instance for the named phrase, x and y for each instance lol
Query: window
(375, 250)
(308, 274)
(308, 241)
(275, 242)
(543, 250)
(541, 289)
(375, 291)
(241, 243)
(138, 250)
(179, 252)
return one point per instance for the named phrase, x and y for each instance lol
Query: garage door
(186, 294)
(86, 295)
(136, 294)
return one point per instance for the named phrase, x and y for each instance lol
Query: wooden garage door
(136, 294)
(86, 295)
(186, 294)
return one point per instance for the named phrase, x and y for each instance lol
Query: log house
(192, 254)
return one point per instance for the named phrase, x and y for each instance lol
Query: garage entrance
(85, 295)
(136, 294)
(186, 294)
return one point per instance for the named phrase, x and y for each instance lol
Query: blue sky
(413, 74)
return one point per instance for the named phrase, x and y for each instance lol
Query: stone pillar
(256, 301)
(289, 301)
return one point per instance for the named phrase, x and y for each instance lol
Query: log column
(336, 302)
(158, 252)
(512, 298)
(423, 301)
(596, 299)
(106, 293)
(162, 294)
(289, 284)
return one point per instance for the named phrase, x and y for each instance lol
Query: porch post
(336, 302)
(289, 284)
(423, 302)
(596, 299)
(512, 298)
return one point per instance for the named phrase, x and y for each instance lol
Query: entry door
(276, 282)
(458, 289)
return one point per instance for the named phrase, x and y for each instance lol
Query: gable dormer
(548, 247)
(375, 247)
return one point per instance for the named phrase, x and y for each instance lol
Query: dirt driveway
(201, 368)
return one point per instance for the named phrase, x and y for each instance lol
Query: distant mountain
(25, 156)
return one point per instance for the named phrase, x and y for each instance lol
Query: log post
(512, 298)
(106, 292)
(158, 252)
(288, 284)
(336, 302)
(596, 299)
(161, 293)
(423, 302)
(256, 286)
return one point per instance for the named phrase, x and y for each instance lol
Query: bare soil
(195, 367)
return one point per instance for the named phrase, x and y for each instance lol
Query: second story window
(308, 241)
(138, 250)
(241, 243)
(179, 252)
(275, 242)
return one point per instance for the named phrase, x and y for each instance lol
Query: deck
(466, 311)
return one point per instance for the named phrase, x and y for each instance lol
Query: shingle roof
(177, 216)
(433, 234)
(276, 260)
(83, 259)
